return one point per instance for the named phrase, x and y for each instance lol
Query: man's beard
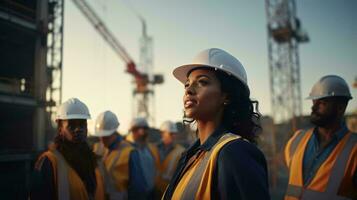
(322, 120)
(80, 157)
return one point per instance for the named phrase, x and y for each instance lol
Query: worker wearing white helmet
(148, 153)
(122, 172)
(223, 163)
(170, 153)
(69, 169)
(322, 160)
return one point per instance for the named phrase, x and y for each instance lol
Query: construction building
(30, 86)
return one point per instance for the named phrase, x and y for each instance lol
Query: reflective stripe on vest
(196, 182)
(291, 146)
(295, 142)
(62, 177)
(341, 155)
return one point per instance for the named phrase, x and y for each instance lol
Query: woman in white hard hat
(68, 169)
(223, 163)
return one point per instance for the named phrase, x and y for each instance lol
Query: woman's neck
(206, 128)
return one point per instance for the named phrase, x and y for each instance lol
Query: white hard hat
(217, 59)
(105, 124)
(139, 122)
(72, 109)
(169, 127)
(330, 86)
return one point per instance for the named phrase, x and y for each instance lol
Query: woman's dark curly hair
(240, 115)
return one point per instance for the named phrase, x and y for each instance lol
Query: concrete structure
(29, 31)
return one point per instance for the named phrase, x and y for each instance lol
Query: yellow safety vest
(333, 180)
(99, 149)
(68, 185)
(116, 164)
(167, 168)
(196, 182)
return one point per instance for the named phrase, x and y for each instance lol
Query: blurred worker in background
(322, 161)
(122, 170)
(148, 153)
(68, 170)
(170, 153)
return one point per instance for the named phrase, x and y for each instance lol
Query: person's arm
(241, 172)
(137, 184)
(42, 182)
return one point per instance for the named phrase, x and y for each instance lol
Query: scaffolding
(54, 55)
(284, 36)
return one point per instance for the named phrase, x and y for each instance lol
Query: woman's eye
(186, 85)
(203, 82)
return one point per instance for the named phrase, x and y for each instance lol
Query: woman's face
(203, 98)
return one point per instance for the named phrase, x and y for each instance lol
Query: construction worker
(223, 163)
(169, 155)
(322, 160)
(122, 172)
(68, 170)
(148, 153)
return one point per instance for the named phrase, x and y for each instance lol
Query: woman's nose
(190, 89)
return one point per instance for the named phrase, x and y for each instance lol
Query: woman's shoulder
(241, 151)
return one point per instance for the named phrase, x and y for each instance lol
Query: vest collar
(116, 142)
(208, 144)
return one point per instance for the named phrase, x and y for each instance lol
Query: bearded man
(322, 160)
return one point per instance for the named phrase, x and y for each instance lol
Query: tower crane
(142, 80)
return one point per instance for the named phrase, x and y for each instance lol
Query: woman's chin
(189, 114)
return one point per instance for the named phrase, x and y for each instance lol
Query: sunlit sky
(93, 73)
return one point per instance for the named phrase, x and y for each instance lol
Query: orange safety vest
(167, 168)
(196, 182)
(68, 185)
(334, 178)
(116, 173)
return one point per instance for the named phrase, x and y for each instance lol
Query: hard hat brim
(180, 73)
(73, 116)
(104, 133)
(326, 96)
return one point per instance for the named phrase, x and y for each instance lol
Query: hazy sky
(180, 29)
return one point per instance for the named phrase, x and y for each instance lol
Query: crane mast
(142, 91)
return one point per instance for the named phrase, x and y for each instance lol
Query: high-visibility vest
(116, 173)
(167, 168)
(68, 185)
(196, 182)
(334, 178)
(99, 149)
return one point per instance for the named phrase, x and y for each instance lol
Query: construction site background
(31, 44)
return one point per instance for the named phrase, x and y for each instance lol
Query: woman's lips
(189, 103)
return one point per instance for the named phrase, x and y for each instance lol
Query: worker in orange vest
(170, 153)
(68, 170)
(120, 164)
(322, 160)
(148, 153)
